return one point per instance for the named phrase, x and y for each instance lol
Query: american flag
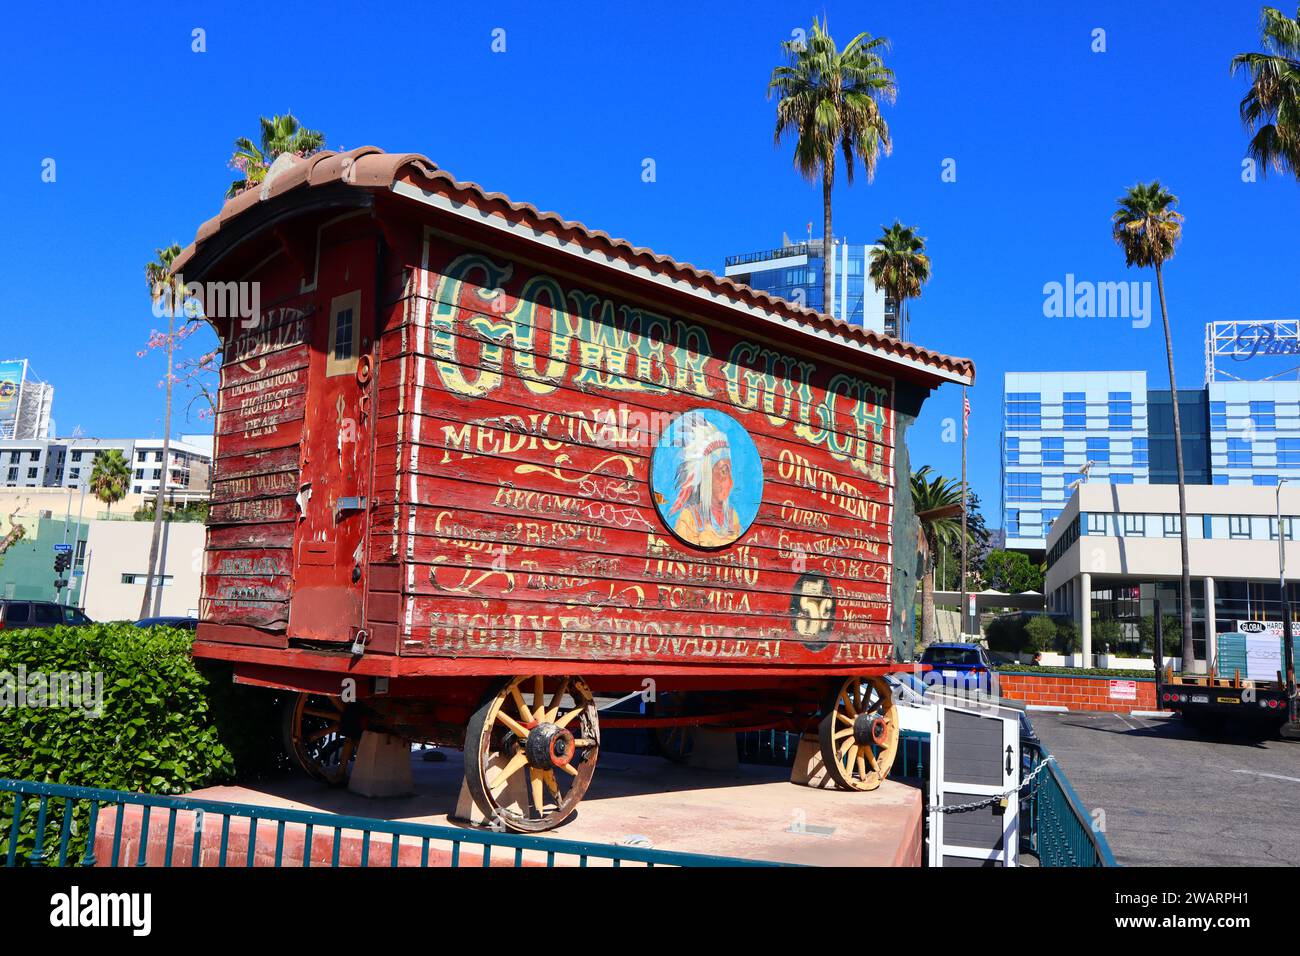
(965, 415)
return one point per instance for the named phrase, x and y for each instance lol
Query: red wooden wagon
(476, 465)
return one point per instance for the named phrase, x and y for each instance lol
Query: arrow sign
(1008, 760)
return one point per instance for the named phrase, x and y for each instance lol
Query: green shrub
(1007, 633)
(1042, 633)
(1067, 637)
(160, 728)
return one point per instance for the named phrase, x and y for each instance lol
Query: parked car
(184, 623)
(15, 614)
(965, 665)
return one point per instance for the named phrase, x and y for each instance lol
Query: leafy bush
(1042, 633)
(160, 725)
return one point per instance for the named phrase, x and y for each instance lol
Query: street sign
(62, 548)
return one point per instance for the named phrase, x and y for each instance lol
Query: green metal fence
(44, 824)
(1059, 827)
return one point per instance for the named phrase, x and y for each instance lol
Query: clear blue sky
(1045, 132)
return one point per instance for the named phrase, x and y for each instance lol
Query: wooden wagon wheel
(320, 735)
(530, 751)
(859, 734)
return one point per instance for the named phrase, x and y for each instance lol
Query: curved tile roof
(372, 168)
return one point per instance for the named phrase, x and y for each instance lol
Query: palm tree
(169, 288)
(937, 503)
(1147, 227)
(280, 134)
(899, 267)
(830, 99)
(1270, 110)
(110, 476)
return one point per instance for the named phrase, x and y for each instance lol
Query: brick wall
(1079, 693)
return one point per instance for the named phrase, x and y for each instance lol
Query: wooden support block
(382, 767)
(808, 769)
(513, 798)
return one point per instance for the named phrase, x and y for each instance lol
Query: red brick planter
(1081, 693)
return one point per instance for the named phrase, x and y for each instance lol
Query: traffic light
(62, 561)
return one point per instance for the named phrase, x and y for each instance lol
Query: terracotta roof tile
(370, 167)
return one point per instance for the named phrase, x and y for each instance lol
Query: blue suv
(962, 665)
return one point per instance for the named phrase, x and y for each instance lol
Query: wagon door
(334, 493)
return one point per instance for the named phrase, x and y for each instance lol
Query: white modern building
(68, 463)
(1115, 551)
(25, 402)
(1053, 425)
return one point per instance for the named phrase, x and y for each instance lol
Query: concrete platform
(752, 812)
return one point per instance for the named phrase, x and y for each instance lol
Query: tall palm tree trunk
(1188, 652)
(828, 249)
(166, 469)
(927, 602)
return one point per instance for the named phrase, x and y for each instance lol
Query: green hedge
(166, 726)
(1072, 671)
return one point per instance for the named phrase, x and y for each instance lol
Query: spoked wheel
(530, 751)
(320, 735)
(859, 734)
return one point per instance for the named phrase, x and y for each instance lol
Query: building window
(1121, 478)
(1099, 450)
(1141, 453)
(1024, 486)
(139, 472)
(141, 577)
(1265, 481)
(1287, 523)
(1013, 451)
(1053, 451)
(1097, 523)
(1239, 453)
(1024, 411)
(1120, 410)
(74, 474)
(1288, 452)
(76, 456)
(1263, 414)
(1219, 416)
(13, 474)
(33, 472)
(1135, 524)
(1049, 516)
(1219, 480)
(1172, 526)
(1238, 526)
(1013, 522)
(1075, 411)
(345, 335)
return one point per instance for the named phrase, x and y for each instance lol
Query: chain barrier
(994, 798)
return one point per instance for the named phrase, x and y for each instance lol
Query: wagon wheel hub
(549, 746)
(870, 729)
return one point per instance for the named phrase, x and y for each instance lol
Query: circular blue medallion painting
(707, 478)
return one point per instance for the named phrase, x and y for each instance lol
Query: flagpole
(965, 412)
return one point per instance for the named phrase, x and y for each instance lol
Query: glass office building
(793, 272)
(1054, 424)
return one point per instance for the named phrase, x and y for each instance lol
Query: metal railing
(1060, 830)
(43, 824)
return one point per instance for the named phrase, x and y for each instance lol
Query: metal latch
(348, 504)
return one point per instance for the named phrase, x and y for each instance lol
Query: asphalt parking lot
(1174, 798)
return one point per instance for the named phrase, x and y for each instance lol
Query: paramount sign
(1263, 339)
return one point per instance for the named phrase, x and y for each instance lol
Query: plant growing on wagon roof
(1270, 110)
(280, 134)
(830, 100)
